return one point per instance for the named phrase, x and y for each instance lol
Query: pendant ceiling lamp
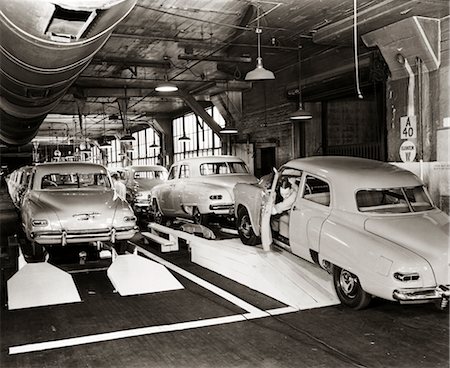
(154, 144)
(166, 86)
(259, 73)
(228, 128)
(184, 137)
(301, 113)
(103, 143)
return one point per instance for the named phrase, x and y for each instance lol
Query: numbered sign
(408, 151)
(408, 127)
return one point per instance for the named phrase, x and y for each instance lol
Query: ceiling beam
(220, 59)
(113, 60)
(199, 110)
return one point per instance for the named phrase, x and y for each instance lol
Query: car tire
(349, 289)
(245, 228)
(199, 218)
(157, 214)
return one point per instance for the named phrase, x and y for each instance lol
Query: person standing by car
(119, 187)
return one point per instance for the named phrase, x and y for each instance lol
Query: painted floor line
(150, 330)
(253, 313)
(207, 285)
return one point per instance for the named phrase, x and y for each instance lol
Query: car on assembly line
(17, 183)
(371, 224)
(199, 187)
(74, 202)
(139, 180)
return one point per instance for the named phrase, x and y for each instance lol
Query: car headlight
(39, 222)
(129, 218)
(215, 197)
(406, 276)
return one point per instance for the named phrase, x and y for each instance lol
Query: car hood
(426, 234)
(81, 210)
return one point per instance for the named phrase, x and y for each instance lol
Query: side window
(184, 171)
(317, 191)
(173, 173)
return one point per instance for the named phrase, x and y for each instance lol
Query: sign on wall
(408, 127)
(408, 151)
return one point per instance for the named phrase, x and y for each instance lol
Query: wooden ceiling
(207, 47)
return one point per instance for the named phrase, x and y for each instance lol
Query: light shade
(259, 73)
(300, 114)
(154, 145)
(228, 130)
(184, 138)
(166, 87)
(127, 138)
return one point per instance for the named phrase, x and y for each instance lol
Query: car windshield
(91, 181)
(158, 174)
(220, 168)
(393, 200)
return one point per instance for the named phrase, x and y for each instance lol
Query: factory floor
(194, 327)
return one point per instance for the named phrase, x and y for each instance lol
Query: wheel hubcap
(348, 283)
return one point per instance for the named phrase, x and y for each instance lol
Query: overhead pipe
(45, 45)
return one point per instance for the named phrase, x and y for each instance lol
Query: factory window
(202, 140)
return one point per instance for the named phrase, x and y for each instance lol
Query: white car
(371, 224)
(74, 203)
(199, 187)
(139, 180)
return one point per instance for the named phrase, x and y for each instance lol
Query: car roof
(146, 168)
(347, 175)
(209, 159)
(52, 167)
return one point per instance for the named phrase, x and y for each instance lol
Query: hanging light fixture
(259, 73)
(228, 128)
(154, 145)
(300, 114)
(166, 86)
(184, 137)
(103, 143)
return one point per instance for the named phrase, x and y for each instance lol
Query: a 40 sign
(408, 127)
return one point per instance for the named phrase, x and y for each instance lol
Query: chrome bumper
(63, 238)
(422, 294)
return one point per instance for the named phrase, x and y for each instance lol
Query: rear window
(58, 181)
(220, 168)
(394, 200)
(150, 175)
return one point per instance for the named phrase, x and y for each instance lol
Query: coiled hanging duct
(45, 45)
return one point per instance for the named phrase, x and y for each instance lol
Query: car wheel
(349, 289)
(245, 228)
(198, 217)
(157, 215)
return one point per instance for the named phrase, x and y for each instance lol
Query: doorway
(268, 160)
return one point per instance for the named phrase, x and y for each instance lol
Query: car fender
(250, 197)
(345, 243)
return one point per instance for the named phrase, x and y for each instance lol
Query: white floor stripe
(108, 336)
(207, 285)
(254, 313)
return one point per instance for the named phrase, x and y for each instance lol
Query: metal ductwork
(45, 45)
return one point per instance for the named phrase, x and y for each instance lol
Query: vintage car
(17, 183)
(74, 203)
(370, 224)
(199, 187)
(139, 180)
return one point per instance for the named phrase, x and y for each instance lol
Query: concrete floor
(384, 335)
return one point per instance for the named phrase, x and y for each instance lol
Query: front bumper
(421, 295)
(222, 209)
(70, 237)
